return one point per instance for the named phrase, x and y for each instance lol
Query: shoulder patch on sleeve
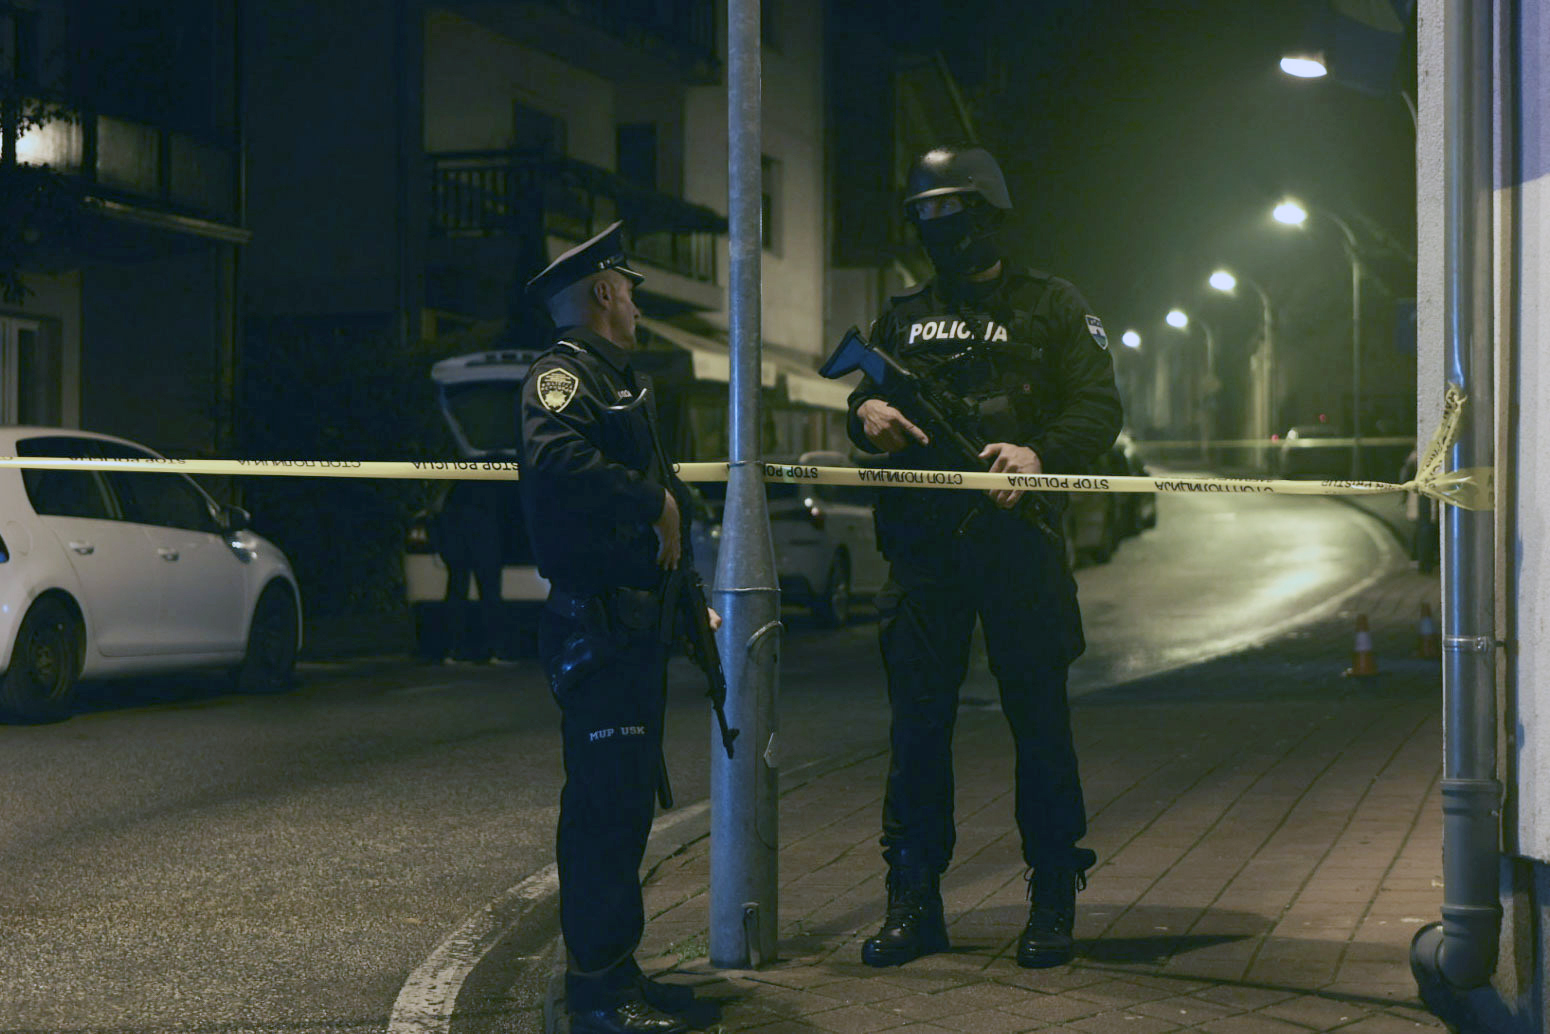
(1095, 328)
(556, 388)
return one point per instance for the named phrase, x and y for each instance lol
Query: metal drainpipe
(1459, 954)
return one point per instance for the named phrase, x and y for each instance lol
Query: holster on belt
(605, 623)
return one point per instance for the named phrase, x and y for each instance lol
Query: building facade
(121, 179)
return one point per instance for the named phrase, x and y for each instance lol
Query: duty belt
(635, 609)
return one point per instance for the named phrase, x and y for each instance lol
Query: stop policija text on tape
(1471, 488)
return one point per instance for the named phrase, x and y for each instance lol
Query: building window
(771, 209)
(637, 146)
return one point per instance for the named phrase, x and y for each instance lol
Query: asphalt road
(181, 859)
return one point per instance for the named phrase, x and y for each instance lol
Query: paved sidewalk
(1269, 839)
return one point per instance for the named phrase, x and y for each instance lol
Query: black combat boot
(1046, 940)
(632, 1014)
(914, 926)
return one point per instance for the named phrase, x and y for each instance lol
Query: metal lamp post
(1291, 213)
(743, 788)
(1178, 319)
(1227, 282)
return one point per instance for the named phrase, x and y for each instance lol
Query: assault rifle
(941, 414)
(686, 617)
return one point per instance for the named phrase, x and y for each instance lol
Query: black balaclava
(963, 243)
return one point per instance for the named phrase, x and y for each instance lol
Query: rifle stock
(688, 609)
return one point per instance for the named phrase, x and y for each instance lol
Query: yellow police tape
(1273, 443)
(1470, 488)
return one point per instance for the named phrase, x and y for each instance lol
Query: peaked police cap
(605, 251)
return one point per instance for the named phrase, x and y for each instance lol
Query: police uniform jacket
(1031, 358)
(592, 467)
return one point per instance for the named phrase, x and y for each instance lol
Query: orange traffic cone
(1363, 665)
(1428, 643)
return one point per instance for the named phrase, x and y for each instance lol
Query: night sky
(1146, 142)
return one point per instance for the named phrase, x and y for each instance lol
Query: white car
(825, 540)
(111, 573)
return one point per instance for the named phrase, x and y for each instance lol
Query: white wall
(472, 77)
(793, 303)
(1528, 563)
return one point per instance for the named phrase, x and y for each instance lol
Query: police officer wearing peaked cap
(1025, 350)
(607, 519)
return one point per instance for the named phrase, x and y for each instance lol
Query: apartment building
(121, 194)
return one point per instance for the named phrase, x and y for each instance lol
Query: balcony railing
(495, 193)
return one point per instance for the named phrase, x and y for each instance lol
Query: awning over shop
(808, 389)
(712, 362)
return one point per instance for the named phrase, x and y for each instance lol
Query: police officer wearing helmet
(607, 519)
(1026, 351)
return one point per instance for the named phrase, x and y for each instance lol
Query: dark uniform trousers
(1014, 580)
(611, 728)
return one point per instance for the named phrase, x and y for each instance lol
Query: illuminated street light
(1130, 339)
(1290, 213)
(1209, 385)
(1293, 214)
(1304, 66)
(1224, 281)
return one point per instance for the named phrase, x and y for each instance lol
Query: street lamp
(1310, 64)
(1178, 319)
(1307, 65)
(1225, 281)
(1130, 339)
(1290, 213)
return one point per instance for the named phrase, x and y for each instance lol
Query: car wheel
(270, 660)
(834, 608)
(40, 684)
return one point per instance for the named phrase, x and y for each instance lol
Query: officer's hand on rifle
(666, 526)
(886, 427)
(713, 618)
(1010, 459)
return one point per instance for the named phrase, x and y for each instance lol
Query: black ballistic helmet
(956, 170)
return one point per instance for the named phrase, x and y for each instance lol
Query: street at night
(188, 859)
(774, 516)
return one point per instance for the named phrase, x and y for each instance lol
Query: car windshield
(486, 413)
